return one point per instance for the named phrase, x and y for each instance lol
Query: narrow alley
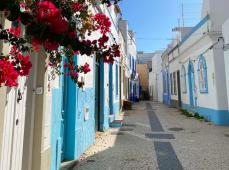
(114, 85)
(154, 136)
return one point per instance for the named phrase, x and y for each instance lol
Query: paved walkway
(157, 137)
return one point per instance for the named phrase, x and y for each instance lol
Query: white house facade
(196, 66)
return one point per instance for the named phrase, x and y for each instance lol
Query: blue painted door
(191, 78)
(63, 112)
(58, 124)
(97, 95)
(111, 88)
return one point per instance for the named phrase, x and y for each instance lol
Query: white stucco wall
(151, 92)
(132, 49)
(155, 78)
(218, 11)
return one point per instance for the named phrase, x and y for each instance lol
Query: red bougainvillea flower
(21, 63)
(23, 6)
(103, 40)
(16, 31)
(76, 7)
(102, 23)
(66, 65)
(72, 34)
(15, 28)
(25, 64)
(36, 44)
(46, 10)
(50, 15)
(51, 46)
(109, 60)
(86, 68)
(76, 52)
(58, 25)
(70, 66)
(73, 73)
(116, 50)
(8, 75)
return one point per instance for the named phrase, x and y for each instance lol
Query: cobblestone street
(154, 136)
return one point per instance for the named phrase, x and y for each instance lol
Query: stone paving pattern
(157, 137)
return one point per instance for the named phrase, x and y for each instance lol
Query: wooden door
(13, 129)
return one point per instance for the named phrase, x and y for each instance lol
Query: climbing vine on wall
(62, 28)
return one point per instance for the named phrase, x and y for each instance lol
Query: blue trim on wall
(194, 29)
(218, 117)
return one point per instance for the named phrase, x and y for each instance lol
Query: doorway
(13, 127)
(179, 89)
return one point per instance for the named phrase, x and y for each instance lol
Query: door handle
(19, 96)
(17, 121)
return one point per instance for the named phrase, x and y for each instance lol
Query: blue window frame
(116, 79)
(202, 74)
(183, 77)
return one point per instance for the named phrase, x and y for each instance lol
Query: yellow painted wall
(142, 70)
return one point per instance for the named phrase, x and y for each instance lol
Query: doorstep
(68, 165)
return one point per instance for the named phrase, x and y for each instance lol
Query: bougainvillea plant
(62, 28)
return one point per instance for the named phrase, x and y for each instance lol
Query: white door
(13, 129)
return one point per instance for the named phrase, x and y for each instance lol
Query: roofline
(194, 29)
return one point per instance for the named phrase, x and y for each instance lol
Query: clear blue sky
(153, 20)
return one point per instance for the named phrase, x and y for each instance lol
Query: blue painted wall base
(218, 117)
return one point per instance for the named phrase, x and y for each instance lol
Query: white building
(196, 66)
(155, 78)
(131, 81)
